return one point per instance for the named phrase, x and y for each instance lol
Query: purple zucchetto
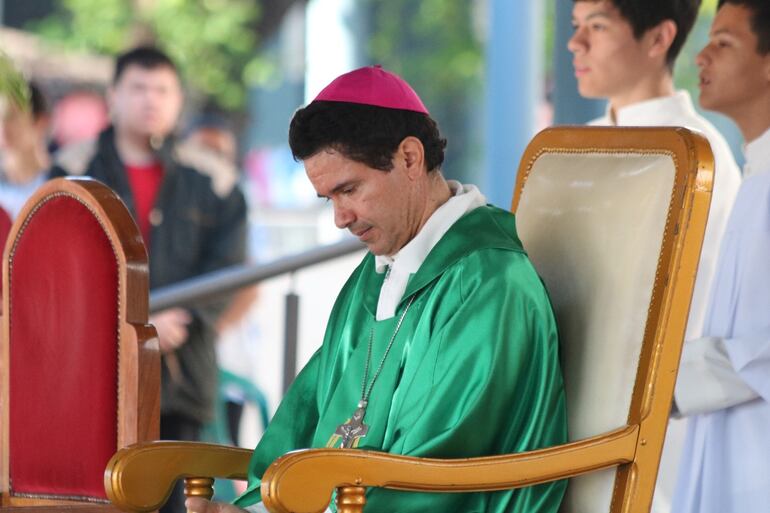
(372, 85)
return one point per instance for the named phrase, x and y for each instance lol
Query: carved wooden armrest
(302, 481)
(140, 477)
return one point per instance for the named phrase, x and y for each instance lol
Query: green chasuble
(473, 371)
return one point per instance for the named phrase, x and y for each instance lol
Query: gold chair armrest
(302, 481)
(140, 477)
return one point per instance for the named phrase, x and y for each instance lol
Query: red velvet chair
(5, 229)
(5, 224)
(80, 365)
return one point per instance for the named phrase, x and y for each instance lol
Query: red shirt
(145, 183)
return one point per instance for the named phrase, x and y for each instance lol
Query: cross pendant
(354, 429)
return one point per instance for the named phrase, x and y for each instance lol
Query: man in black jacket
(189, 209)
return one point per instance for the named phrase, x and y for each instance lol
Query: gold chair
(613, 220)
(80, 365)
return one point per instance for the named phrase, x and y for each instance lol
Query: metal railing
(216, 285)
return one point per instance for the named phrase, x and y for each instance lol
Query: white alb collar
(654, 111)
(465, 197)
(757, 154)
(409, 259)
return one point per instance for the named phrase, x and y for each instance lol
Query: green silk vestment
(473, 371)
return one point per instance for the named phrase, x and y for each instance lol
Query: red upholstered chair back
(5, 224)
(81, 365)
(5, 229)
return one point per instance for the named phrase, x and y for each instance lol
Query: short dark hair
(30, 100)
(37, 101)
(147, 57)
(760, 20)
(646, 14)
(365, 133)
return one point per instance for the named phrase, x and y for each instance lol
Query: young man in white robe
(624, 52)
(724, 379)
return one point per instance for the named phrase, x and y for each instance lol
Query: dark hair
(760, 20)
(364, 133)
(37, 102)
(147, 57)
(30, 99)
(646, 14)
(212, 119)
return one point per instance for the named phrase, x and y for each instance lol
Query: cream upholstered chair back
(593, 221)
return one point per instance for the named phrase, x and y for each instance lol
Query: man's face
(146, 101)
(376, 206)
(732, 72)
(608, 59)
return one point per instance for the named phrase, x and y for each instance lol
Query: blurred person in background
(24, 160)
(624, 51)
(77, 117)
(724, 376)
(213, 133)
(190, 212)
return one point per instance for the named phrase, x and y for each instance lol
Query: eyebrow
(337, 188)
(721, 31)
(597, 14)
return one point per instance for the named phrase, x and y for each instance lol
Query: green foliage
(434, 45)
(430, 42)
(549, 36)
(13, 87)
(686, 71)
(212, 41)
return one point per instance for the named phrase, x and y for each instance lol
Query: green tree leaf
(212, 41)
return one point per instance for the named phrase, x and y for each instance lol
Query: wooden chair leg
(351, 499)
(199, 487)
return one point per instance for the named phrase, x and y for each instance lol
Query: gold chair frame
(303, 481)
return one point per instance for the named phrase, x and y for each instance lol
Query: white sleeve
(708, 380)
(256, 508)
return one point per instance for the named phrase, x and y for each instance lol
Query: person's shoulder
(488, 226)
(507, 276)
(221, 174)
(728, 170)
(697, 122)
(75, 158)
(493, 248)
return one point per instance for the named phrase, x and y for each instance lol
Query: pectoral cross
(354, 429)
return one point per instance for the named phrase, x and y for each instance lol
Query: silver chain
(364, 392)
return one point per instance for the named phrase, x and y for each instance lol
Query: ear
(411, 153)
(661, 38)
(42, 123)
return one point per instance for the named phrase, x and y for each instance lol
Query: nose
(577, 43)
(343, 217)
(702, 58)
